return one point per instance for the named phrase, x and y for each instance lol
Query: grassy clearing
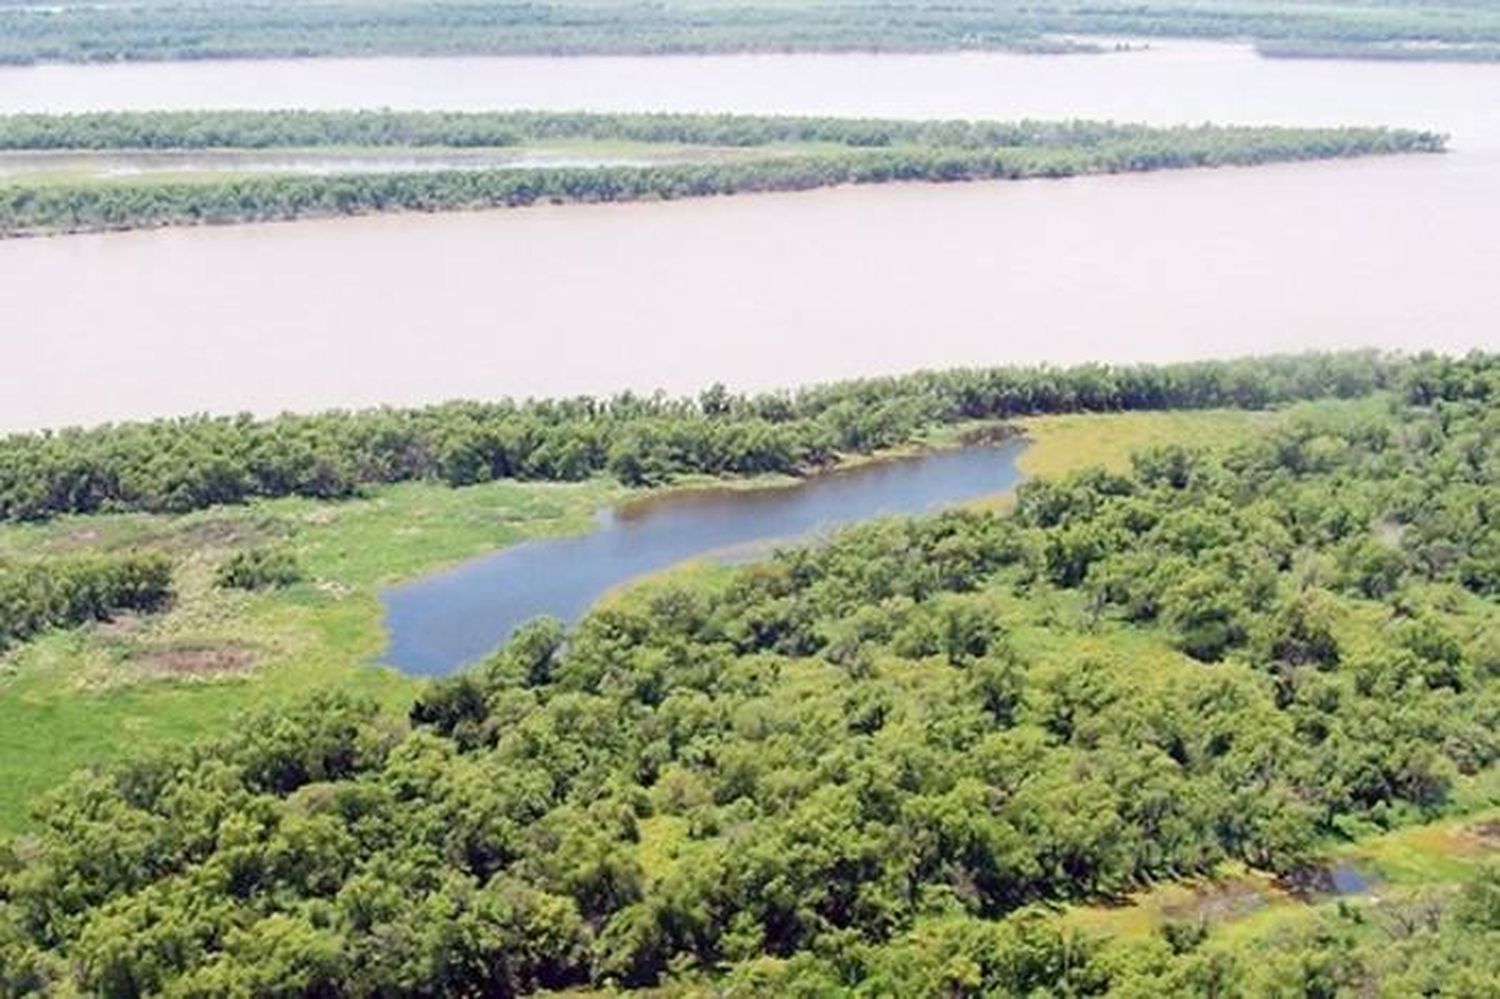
(1442, 852)
(1071, 442)
(1060, 445)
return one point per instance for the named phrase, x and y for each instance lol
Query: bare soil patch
(1487, 832)
(200, 660)
(120, 626)
(1217, 902)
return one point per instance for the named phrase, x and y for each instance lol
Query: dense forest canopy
(790, 154)
(185, 464)
(861, 767)
(185, 29)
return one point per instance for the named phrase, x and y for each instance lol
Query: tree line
(133, 130)
(185, 464)
(70, 590)
(73, 206)
(1381, 51)
(105, 33)
(861, 767)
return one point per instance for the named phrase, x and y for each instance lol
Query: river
(441, 622)
(776, 289)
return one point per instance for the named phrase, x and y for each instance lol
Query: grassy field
(1063, 444)
(74, 697)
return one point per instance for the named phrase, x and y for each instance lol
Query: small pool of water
(1345, 879)
(442, 622)
(1333, 880)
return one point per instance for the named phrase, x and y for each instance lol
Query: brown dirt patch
(200, 660)
(1487, 832)
(120, 626)
(219, 534)
(1217, 902)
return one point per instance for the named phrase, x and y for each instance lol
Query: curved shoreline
(439, 622)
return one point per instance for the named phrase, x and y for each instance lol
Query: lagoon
(442, 622)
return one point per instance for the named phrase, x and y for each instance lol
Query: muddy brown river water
(774, 289)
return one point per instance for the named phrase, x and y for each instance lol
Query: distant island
(127, 170)
(1449, 29)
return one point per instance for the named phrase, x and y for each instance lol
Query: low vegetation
(259, 568)
(199, 30)
(868, 767)
(784, 154)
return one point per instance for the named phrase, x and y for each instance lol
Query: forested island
(178, 465)
(952, 755)
(30, 32)
(695, 156)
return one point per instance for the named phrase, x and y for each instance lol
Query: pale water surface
(776, 289)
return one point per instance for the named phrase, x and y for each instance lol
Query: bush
(259, 569)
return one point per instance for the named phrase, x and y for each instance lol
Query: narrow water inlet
(444, 621)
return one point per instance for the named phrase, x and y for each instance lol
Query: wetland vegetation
(912, 761)
(664, 156)
(1206, 703)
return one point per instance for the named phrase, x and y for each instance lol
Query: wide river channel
(777, 289)
(443, 621)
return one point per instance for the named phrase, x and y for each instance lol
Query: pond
(444, 621)
(1338, 879)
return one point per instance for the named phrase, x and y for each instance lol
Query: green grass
(1070, 442)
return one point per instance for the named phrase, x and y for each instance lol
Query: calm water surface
(777, 289)
(444, 621)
